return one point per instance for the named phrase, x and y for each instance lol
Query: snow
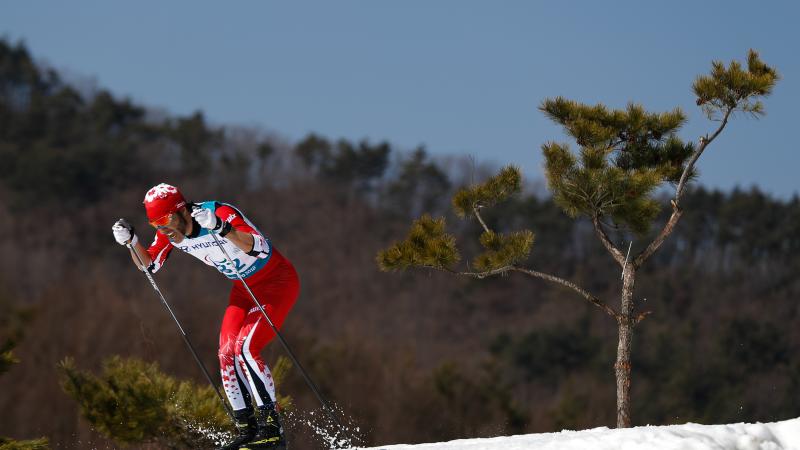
(741, 436)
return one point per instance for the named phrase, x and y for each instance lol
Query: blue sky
(460, 77)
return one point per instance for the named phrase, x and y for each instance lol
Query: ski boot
(269, 433)
(246, 429)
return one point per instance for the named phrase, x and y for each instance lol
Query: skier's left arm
(229, 224)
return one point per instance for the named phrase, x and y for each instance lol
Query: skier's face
(176, 228)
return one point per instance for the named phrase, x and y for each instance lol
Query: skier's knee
(227, 355)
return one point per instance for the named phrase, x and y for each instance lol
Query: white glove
(123, 233)
(207, 219)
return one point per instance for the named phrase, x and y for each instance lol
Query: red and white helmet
(161, 200)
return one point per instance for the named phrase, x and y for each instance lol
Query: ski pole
(278, 333)
(183, 333)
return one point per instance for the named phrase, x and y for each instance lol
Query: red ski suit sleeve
(261, 247)
(159, 251)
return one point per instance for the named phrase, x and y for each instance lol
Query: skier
(244, 332)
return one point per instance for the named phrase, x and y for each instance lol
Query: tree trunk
(623, 365)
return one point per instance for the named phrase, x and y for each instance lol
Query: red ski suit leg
(245, 332)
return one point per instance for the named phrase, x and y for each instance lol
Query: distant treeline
(411, 357)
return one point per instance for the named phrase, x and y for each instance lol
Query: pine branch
(503, 250)
(583, 292)
(601, 234)
(427, 245)
(676, 209)
(482, 275)
(726, 90)
(552, 278)
(496, 189)
(480, 219)
(730, 90)
(704, 141)
(662, 236)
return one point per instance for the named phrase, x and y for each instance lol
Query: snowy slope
(767, 436)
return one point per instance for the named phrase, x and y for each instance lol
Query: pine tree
(133, 402)
(624, 157)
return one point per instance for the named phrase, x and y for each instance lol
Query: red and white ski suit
(244, 331)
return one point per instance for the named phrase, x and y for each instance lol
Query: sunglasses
(162, 221)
